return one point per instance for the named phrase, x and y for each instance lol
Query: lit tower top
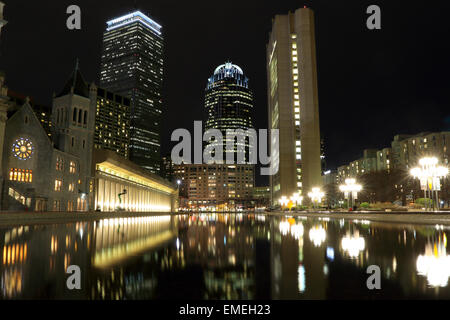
(228, 71)
(133, 17)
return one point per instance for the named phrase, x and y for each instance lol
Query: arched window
(57, 116)
(79, 115)
(74, 118)
(85, 118)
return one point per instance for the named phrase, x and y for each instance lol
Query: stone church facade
(44, 175)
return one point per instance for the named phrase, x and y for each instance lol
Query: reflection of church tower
(73, 119)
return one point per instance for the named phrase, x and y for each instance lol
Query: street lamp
(283, 201)
(429, 175)
(297, 199)
(316, 196)
(350, 190)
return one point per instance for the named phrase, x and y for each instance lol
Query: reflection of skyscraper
(132, 65)
(293, 103)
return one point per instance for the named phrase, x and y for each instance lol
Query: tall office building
(112, 122)
(221, 186)
(132, 65)
(229, 104)
(293, 104)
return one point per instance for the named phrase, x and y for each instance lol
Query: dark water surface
(224, 256)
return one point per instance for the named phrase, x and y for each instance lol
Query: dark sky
(372, 84)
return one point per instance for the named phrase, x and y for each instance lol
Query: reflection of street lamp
(350, 190)
(435, 263)
(316, 196)
(429, 175)
(353, 244)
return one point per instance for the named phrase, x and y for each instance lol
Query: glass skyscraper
(132, 65)
(229, 103)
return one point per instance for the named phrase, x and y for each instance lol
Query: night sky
(372, 84)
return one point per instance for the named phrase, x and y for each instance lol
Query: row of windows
(60, 165)
(21, 175)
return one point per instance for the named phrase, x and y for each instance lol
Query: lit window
(297, 109)
(58, 185)
(22, 149)
(297, 123)
(59, 164)
(21, 175)
(73, 167)
(297, 143)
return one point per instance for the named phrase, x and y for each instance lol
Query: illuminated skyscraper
(229, 102)
(293, 104)
(132, 66)
(112, 122)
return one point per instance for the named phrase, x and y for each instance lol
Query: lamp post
(350, 190)
(297, 199)
(429, 175)
(316, 196)
(283, 201)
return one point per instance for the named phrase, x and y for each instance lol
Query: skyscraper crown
(228, 70)
(136, 16)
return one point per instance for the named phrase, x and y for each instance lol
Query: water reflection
(221, 256)
(353, 244)
(434, 264)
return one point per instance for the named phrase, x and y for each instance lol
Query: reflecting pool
(224, 256)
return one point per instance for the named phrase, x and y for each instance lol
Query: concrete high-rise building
(132, 65)
(293, 104)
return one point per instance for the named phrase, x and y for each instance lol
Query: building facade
(121, 185)
(112, 122)
(43, 174)
(215, 187)
(62, 173)
(293, 104)
(404, 153)
(132, 65)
